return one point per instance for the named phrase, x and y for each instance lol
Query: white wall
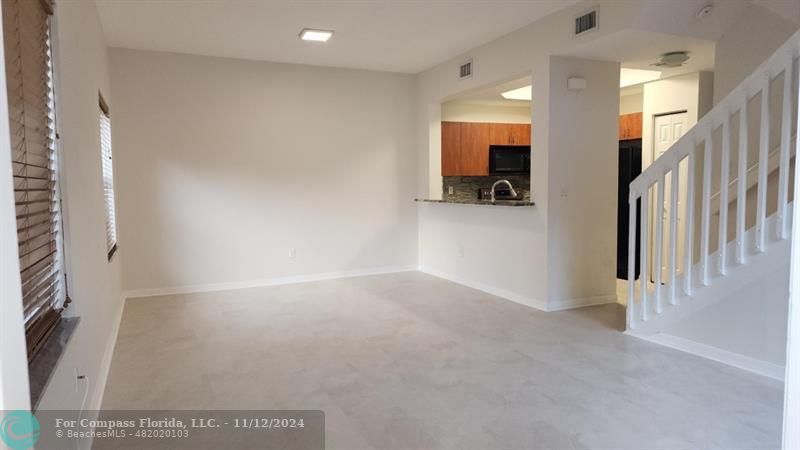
(755, 36)
(492, 248)
(582, 167)
(632, 103)
(94, 282)
(747, 326)
(752, 322)
(469, 112)
(13, 355)
(225, 165)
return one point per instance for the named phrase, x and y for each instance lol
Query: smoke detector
(672, 59)
(704, 11)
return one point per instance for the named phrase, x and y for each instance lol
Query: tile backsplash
(466, 188)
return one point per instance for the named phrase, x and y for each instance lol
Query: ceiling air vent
(586, 23)
(465, 70)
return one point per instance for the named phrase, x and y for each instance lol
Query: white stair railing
(695, 147)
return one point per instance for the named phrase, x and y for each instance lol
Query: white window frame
(107, 167)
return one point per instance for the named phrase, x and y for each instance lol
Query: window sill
(41, 369)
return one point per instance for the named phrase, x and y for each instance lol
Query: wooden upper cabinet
(499, 133)
(630, 126)
(509, 133)
(520, 134)
(475, 141)
(451, 148)
(465, 145)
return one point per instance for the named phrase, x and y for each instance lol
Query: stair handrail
(687, 148)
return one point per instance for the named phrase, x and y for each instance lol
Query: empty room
(390, 224)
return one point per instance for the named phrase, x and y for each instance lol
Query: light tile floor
(407, 361)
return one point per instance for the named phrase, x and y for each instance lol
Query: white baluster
(673, 232)
(644, 244)
(659, 242)
(786, 137)
(741, 184)
(631, 260)
(689, 225)
(763, 155)
(705, 218)
(723, 197)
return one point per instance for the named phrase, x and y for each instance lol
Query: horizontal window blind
(26, 38)
(108, 179)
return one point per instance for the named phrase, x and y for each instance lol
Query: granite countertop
(478, 202)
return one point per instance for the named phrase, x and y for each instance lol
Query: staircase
(737, 178)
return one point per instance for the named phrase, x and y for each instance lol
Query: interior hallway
(408, 360)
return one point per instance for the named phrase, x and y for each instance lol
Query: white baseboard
(581, 302)
(96, 400)
(105, 364)
(264, 282)
(498, 292)
(737, 360)
(520, 298)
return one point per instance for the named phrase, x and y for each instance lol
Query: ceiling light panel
(523, 93)
(310, 34)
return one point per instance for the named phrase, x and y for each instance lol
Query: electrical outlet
(292, 253)
(450, 190)
(460, 251)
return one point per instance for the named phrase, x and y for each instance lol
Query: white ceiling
(492, 95)
(392, 35)
(633, 48)
(681, 18)
(637, 49)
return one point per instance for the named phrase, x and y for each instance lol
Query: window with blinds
(108, 178)
(29, 78)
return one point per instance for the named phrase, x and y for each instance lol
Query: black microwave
(509, 159)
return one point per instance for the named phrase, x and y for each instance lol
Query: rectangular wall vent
(586, 22)
(465, 70)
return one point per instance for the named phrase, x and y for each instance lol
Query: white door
(666, 130)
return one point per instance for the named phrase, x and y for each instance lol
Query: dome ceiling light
(672, 59)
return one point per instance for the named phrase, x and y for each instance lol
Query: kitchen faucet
(513, 192)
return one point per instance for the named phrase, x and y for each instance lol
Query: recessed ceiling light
(629, 77)
(523, 93)
(310, 34)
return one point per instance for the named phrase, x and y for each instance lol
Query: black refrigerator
(630, 166)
